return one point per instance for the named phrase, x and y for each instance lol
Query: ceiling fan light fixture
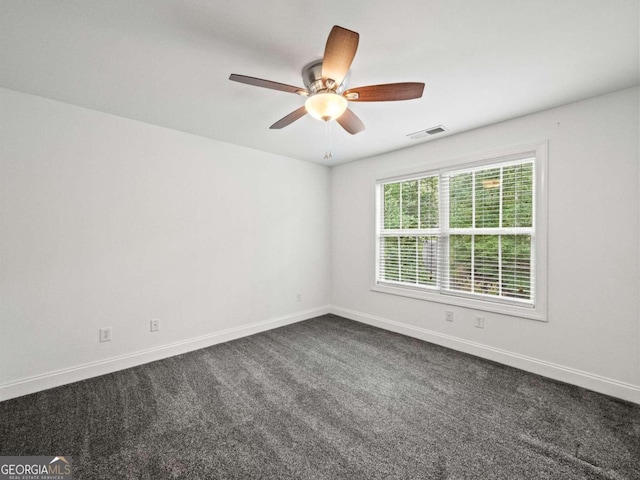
(326, 81)
(326, 105)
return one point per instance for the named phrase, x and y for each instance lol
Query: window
(465, 235)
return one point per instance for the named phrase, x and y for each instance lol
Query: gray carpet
(327, 398)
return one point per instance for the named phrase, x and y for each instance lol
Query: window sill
(532, 313)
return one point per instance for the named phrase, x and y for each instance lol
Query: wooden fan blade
(350, 122)
(338, 53)
(259, 82)
(385, 93)
(289, 119)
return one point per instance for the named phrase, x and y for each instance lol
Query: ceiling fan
(325, 86)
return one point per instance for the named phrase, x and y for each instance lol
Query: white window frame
(537, 311)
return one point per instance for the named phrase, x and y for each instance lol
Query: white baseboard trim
(93, 369)
(590, 381)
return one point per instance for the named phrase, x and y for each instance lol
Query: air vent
(427, 133)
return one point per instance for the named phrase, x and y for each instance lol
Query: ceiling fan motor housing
(312, 78)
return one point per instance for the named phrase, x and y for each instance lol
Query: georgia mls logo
(36, 468)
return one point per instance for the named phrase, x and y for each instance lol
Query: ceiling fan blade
(350, 122)
(259, 82)
(338, 53)
(289, 119)
(385, 93)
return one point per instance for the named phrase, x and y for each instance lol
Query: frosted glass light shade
(326, 106)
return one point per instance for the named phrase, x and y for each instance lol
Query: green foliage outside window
(487, 189)
(410, 259)
(392, 205)
(517, 196)
(429, 214)
(411, 204)
(461, 201)
(516, 267)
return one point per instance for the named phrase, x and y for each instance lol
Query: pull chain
(327, 140)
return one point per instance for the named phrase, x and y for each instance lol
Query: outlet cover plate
(105, 334)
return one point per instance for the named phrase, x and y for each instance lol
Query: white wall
(106, 221)
(592, 337)
(109, 222)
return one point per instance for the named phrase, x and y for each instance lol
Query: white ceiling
(168, 62)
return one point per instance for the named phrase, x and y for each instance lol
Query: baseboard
(569, 375)
(94, 369)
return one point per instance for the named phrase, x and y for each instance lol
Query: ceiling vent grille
(427, 133)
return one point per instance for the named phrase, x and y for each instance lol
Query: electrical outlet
(155, 324)
(449, 316)
(105, 334)
(298, 297)
(479, 321)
